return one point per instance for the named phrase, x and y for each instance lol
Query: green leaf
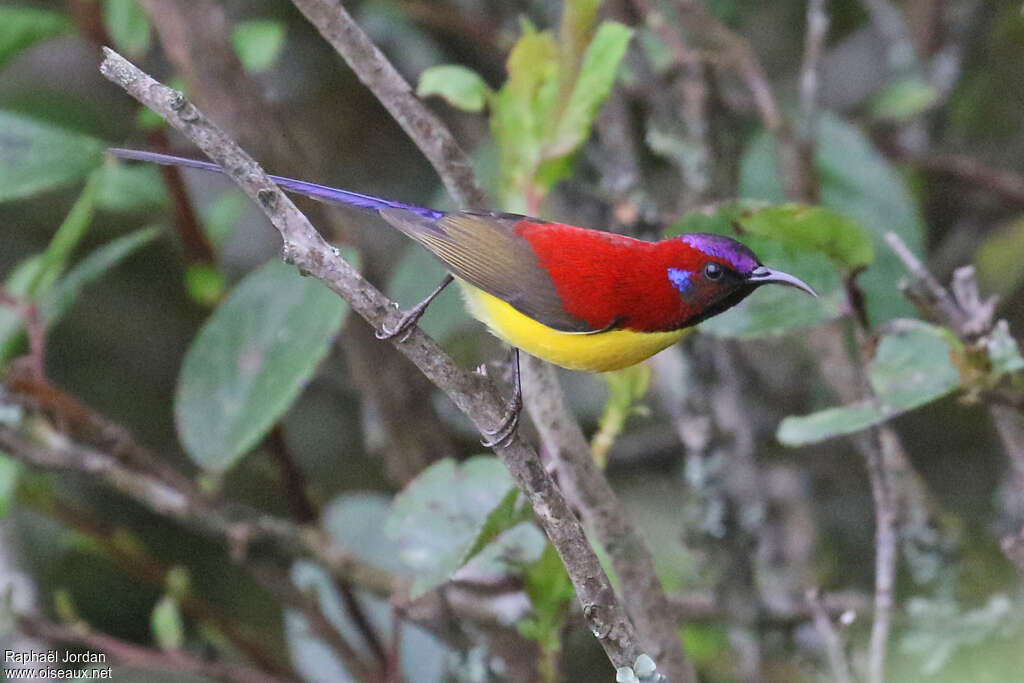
(223, 214)
(22, 27)
(815, 228)
(597, 75)
(912, 367)
(9, 471)
(904, 100)
(250, 360)
(36, 157)
(550, 591)
(858, 183)
(1000, 258)
(167, 624)
(523, 111)
(33, 278)
(625, 388)
(259, 43)
(460, 87)
(134, 188)
(204, 283)
(439, 516)
(354, 522)
(59, 298)
(778, 243)
(128, 26)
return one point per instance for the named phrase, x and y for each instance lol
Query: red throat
(610, 280)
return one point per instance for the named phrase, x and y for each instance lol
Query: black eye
(713, 271)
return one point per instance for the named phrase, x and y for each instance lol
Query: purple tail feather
(323, 193)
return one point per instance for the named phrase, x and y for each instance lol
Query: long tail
(322, 193)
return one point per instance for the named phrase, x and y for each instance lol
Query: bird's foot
(409, 319)
(405, 325)
(507, 429)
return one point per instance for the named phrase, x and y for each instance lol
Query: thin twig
(475, 396)
(1002, 182)
(870, 444)
(833, 643)
(814, 42)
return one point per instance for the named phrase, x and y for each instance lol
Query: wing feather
(485, 250)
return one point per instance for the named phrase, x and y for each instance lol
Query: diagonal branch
(475, 396)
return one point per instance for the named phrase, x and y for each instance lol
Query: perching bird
(579, 298)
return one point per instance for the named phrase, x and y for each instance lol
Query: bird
(580, 298)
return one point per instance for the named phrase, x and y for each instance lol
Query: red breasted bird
(583, 299)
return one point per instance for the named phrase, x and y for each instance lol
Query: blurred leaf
(135, 188)
(222, 215)
(438, 517)
(781, 239)
(55, 302)
(522, 112)
(1003, 350)
(597, 75)
(815, 228)
(33, 278)
(904, 100)
(461, 87)
(36, 157)
(625, 388)
(706, 643)
(1000, 258)
(22, 27)
(550, 590)
(250, 360)
(858, 183)
(938, 628)
(354, 522)
(913, 366)
(67, 237)
(128, 26)
(9, 471)
(259, 43)
(167, 624)
(204, 283)
(423, 657)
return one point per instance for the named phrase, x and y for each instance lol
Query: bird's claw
(404, 327)
(507, 429)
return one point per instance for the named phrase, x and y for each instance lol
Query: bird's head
(719, 273)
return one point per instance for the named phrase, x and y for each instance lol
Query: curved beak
(763, 275)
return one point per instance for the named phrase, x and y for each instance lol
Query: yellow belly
(598, 352)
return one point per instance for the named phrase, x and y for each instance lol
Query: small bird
(579, 298)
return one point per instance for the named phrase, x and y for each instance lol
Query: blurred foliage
(242, 344)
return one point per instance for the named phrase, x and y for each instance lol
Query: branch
(123, 652)
(36, 443)
(588, 488)
(732, 49)
(475, 396)
(374, 70)
(1002, 182)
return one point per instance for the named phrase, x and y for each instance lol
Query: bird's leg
(413, 315)
(504, 432)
